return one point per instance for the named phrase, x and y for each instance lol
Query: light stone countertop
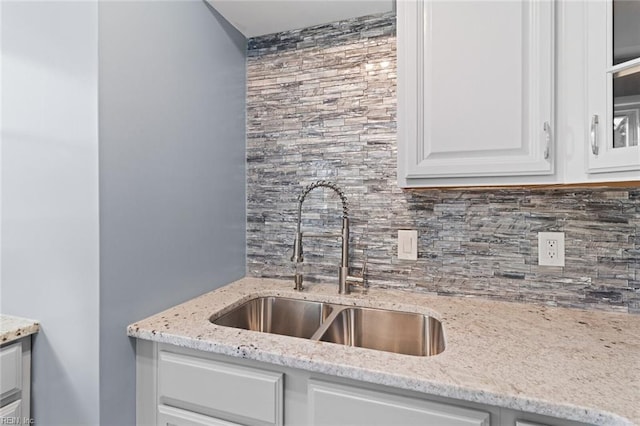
(567, 363)
(14, 328)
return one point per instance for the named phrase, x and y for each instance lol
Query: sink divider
(327, 322)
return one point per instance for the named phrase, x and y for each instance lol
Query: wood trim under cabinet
(555, 186)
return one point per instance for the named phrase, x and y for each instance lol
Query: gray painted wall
(90, 245)
(172, 171)
(50, 198)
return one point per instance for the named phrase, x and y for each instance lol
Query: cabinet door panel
(220, 387)
(11, 367)
(475, 89)
(333, 404)
(470, 72)
(613, 79)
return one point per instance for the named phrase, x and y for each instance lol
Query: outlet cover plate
(551, 248)
(408, 244)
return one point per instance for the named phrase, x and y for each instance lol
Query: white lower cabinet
(184, 387)
(11, 367)
(15, 382)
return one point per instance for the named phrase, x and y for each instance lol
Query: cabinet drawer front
(11, 367)
(218, 387)
(11, 412)
(169, 416)
(332, 404)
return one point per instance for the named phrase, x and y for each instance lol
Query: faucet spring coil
(326, 184)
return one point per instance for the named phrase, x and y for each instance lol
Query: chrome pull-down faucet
(344, 286)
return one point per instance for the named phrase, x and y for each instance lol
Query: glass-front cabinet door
(613, 79)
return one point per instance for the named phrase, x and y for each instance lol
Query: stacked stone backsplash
(321, 104)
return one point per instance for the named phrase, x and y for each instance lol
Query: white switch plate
(407, 244)
(551, 248)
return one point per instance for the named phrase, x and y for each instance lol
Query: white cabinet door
(331, 404)
(232, 391)
(613, 81)
(475, 91)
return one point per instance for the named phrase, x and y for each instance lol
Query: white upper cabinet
(518, 92)
(613, 81)
(475, 92)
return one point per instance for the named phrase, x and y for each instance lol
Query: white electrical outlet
(551, 248)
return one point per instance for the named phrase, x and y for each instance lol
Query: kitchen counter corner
(13, 328)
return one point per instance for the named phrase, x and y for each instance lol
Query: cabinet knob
(594, 134)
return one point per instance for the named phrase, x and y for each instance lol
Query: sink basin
(277, 315)
(392, 331)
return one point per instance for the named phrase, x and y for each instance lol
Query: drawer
(526, 423)
(11, 367)
(222, 390)
(332, 404)
(11, 413)
(169, 416)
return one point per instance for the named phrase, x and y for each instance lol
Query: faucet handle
(359, 281)
(363, 272)
(297, 279)
(298, 275)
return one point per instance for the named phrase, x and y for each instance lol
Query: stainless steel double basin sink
(384, 330)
